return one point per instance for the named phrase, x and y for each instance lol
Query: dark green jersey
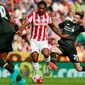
(73, 30)
(5, 25)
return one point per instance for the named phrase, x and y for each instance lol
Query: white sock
(36, 68)
(47, 59)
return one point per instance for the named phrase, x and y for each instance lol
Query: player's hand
(19, 33)
(65, 36)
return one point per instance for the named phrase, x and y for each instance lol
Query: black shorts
(6, 42)
(70, 52)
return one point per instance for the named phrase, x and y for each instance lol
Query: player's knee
(46, 55)
(35, 60)
(35, 56)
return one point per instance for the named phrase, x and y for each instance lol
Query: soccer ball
(37, 79)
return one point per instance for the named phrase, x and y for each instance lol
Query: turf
(50, 81)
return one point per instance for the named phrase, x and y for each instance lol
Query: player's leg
(5, 65)
(3, 55)
(14, 72)
(10, 67)
(35, 62)
(19, 79)
(79, 67)
(44, 48)
(72, 54)
(34, 55)
(7, 42)
(6, 39)
(45, 52)
(54, 53)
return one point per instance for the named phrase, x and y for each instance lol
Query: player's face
(41, 9)
(77, 19)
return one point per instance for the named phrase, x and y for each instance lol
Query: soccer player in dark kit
(66, 45)
(6, 37)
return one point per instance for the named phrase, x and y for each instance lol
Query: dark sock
(53, 61)
(9, 68)
(12, 65)
(53, 55)
(83, 68)
(19, 78)
(5, 65)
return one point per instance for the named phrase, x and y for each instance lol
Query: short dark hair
(42, 3)
(81, 14)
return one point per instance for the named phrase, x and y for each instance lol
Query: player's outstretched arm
(56, 29)
(21, 28)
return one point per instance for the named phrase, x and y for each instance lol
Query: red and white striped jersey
(39, 25)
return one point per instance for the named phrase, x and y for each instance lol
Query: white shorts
(38, 45)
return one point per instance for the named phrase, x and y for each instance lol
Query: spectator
(69, 16)
(76, 6)
(57, 6)
(23, 46)
(67, 6)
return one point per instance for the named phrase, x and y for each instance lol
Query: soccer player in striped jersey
(39, 20)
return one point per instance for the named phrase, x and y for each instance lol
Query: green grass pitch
(50, 81)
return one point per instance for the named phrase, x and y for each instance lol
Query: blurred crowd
(60, 10)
